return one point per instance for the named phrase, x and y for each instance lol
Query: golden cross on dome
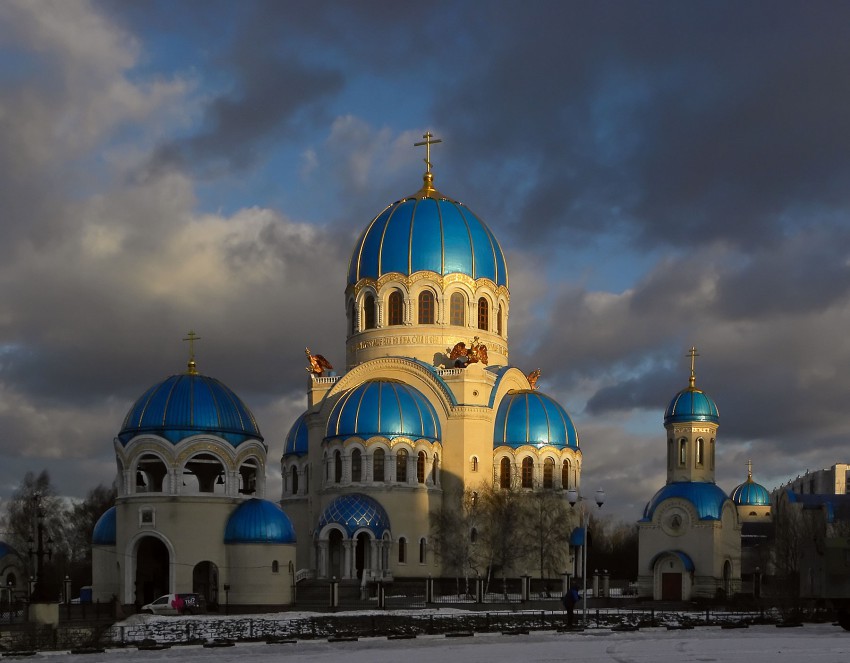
(749, 470)
(428, 142)
(192, 337)
(692, 353)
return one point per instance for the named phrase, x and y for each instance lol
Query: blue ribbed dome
(259, 521)
(356, 511)
(706, 497)
(189, 404)
(104, 533)
(751, 493)
(529, 417)
(296, 439)
(429, 233)
(386, 408)
(691, 404)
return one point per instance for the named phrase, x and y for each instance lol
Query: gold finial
(428, 177)
(693, 355)
(749, 470)
(192, 337)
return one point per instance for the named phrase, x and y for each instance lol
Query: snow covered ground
(812, 643)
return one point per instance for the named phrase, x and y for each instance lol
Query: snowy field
(816, 643)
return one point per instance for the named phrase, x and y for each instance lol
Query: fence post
(334, 590)
(479, 589)
(606, 584)
(382, 600)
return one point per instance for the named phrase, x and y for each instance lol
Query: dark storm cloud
(688, 122)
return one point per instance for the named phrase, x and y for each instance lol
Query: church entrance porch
(672, 576)
(152, 570)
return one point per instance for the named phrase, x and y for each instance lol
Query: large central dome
(427, 232)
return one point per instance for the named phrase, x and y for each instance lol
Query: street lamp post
(40, 551)
(573, 497)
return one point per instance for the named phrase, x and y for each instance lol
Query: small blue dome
(296, 439)
(706, 497)
(427, 232)
(751, 493)
(259, 521)
(383, 407)
(189, 404)
(356, 511)
(105, 528)
(529, 417)
(691, 404)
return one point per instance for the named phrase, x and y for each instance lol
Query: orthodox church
(428, 406)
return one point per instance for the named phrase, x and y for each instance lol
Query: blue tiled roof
(691, 404)
(383, 407)
(707, 498)
(105, 528)
(430, 233)
(529, 417)
(686, 559)
(356, 511)
(6, 549)
(751, 493)
(296, 439)
(187, 404)
(259, 521)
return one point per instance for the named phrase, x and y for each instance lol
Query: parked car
(176, 604)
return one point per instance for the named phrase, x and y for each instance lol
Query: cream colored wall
(691, 432)
(106, 573)
(250, 576)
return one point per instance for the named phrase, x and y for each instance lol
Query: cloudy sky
(660, 175)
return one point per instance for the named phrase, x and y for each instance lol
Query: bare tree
(547, 526)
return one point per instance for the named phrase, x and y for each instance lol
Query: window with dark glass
(527, 472)
(475, 464)
(426, 307)
(420, 467)
(435, 470)
(683, 451)
(505, 473)
(368, 312)
(356, 465)
(549, 473)
(401, 466)
(337, 467)
(402, 550)
(565, 475)
(483, 314)
(499, 321)
(700, 452)
(395, 306)
(378, 465)
(294, 480)
(422, 551)
(457, 309)
(352, 319)
(275, 566)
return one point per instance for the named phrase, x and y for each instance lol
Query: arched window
(435, 470)
(369, 312)
(426, 307)
(699, 455)
(352, 319)
(337, 467)
(505, 473)
(395, 309)
(473, 535)
(420, 467)
(401, 466)
(457, 309)
(356, 466)
(711, 453)
(483, 314)
(499, 321)
(275, 566)
(683, 452)
(294, 480)
(528, 472)
(378, 465)
(422, 550)
(549, 473)
(565, 475)
(475, 463)
(402, 550)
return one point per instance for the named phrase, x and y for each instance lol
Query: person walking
(569, 601)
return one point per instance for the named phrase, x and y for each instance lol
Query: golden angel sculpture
(464, 356)
(533, 377)
(318, 363)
